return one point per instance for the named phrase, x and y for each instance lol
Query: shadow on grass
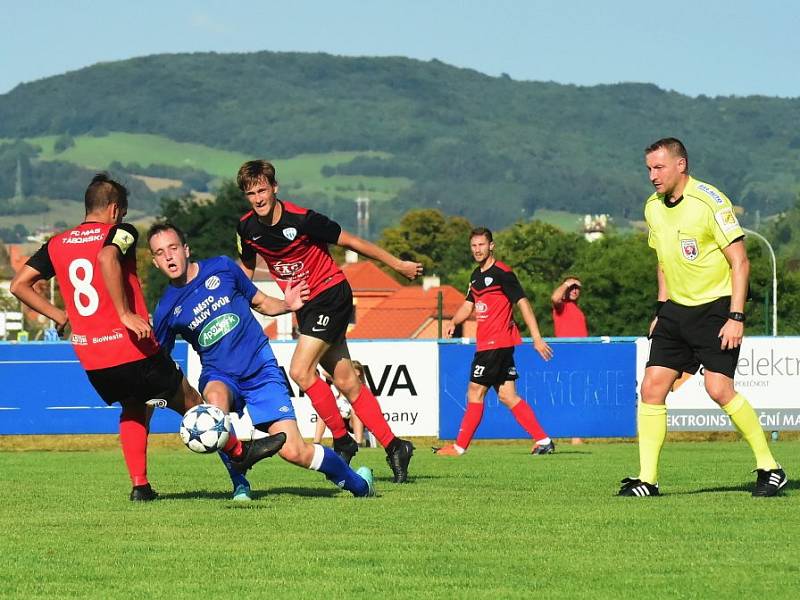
(257, 494)
(744, 487)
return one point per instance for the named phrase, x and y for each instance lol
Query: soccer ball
(205, 428)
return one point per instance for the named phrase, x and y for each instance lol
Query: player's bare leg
(303, 371)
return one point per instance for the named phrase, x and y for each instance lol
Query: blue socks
(237, 479)
(337, 471)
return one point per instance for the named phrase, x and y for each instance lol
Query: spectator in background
(568, 318)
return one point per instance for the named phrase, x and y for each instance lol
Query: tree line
(490, 149)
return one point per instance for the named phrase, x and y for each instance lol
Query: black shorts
(687, 336)
(327, 316)
(493, 367)
(156, 376)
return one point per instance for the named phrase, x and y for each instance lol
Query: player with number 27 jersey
(98, 336)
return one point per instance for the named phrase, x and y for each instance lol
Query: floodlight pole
(774, 279)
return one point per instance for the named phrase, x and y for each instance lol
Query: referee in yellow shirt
(703, 275)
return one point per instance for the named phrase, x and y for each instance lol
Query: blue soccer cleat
(241, 493)
(366, 474)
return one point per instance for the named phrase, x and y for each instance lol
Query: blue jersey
(212, 312)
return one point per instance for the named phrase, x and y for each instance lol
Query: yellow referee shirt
(688, 239)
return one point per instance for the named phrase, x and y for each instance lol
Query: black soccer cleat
(398, 459)
(346, 447)
(769, 482)
(256, 450)
(143, 493)
(548, 448)
(637, 487)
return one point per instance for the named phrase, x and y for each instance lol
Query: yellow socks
(652, 429)
(746, 421)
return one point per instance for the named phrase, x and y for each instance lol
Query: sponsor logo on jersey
(177, 310)
(217, 329)
(487, 281)
(78, 340)
(290, 233)
(726, 219)
(83, 237)
(711, 192)
(116, 334)
(287, 270)
(212, 282)
(481, 307)
(689, 249)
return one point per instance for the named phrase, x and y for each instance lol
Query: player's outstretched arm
(462, 314)
(407, 268)
(111, 270)
(22, 288)
(542, 347)
(294, 298)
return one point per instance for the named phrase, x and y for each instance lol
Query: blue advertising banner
(45, 391)
(588, 389)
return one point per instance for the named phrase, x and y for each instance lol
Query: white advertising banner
(403, 375)
(768, 375)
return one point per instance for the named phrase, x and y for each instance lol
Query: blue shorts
(264, 392)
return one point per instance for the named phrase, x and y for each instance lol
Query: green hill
(492, 149)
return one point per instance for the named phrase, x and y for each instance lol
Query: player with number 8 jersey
(95, 266)
(98, 336)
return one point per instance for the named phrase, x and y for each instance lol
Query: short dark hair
(673, 145)
(104, 191)
(163, 226)
(484, 231)
(253, 171)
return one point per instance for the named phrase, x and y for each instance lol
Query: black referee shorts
(686, 337)
(156, 376)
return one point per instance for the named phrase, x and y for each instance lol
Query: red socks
(324, 403)
(234, 447)
(133, 438)
(369, 411)
(523, 413)
(472, 418)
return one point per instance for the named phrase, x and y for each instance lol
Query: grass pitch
(496, 522)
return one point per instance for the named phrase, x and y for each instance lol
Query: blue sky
(710, 47)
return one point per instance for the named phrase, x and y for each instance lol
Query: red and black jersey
(99, 338)
(494, 292)
(295, 248)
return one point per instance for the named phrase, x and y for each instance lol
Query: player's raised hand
(296, 295)
(410, 269)
(139, 326)
(544, 350)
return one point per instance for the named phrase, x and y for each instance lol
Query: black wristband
(736, 316)
(659, 305)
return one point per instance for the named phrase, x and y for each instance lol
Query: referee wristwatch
(736, 316)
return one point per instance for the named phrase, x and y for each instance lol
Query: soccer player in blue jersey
(209, 304)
